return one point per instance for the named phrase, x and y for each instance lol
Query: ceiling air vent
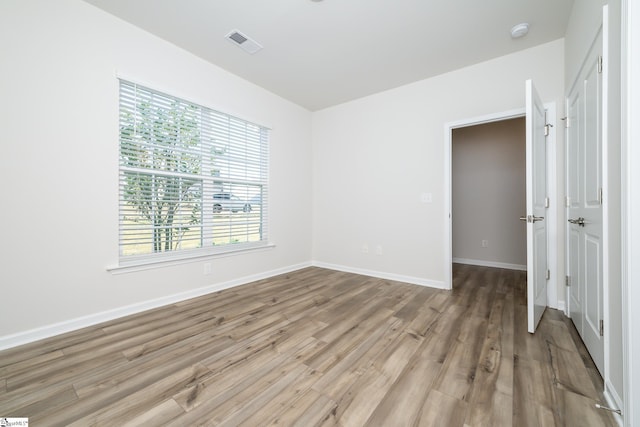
(243, 41)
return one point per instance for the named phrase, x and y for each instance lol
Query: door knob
(531, 218)
(579, 221)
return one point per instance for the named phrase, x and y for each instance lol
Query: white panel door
(584, 207)
(574, 201)
(536, 165)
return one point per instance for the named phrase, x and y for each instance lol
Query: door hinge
(600, 195)
(546, 202)
(601, 328)
(567, 281)
(600, 64)
(548, 275)
(566, 121)
(547, 129)
(567, 201)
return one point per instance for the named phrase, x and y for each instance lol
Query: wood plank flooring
(316, 348)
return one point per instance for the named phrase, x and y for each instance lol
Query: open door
(537, 203)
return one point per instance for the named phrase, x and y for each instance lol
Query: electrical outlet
(207, 268)
(485, 243)
(365, 249)
(379, 250)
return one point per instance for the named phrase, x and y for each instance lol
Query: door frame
(630, 209)
(552, 234)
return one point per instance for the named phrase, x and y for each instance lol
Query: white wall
(585, 20)
(374, 157)
(489, 194)
(59, 121)
(631, 208)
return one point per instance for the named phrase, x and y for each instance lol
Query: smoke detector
(243, 41)
(519, 30)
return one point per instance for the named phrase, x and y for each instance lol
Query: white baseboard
(494, 264)
(20, 338)
(382, 275)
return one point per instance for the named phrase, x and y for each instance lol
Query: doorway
(488, 194)
(551, 178)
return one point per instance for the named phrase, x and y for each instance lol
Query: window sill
(150, 264)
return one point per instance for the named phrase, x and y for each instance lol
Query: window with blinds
(192, 179)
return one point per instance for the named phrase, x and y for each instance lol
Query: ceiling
(322, 53)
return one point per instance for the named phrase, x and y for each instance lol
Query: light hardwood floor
(316, 348)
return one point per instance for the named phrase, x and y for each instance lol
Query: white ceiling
(319, 54)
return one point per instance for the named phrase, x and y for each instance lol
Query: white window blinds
(191, 178)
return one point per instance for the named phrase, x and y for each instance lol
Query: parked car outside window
(229, 202)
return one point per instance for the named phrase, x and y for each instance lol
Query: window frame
(215, 183)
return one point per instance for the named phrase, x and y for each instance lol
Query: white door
(584, 204)
(537, 203)
(574, 201)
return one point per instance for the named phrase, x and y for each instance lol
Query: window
(192, 180)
